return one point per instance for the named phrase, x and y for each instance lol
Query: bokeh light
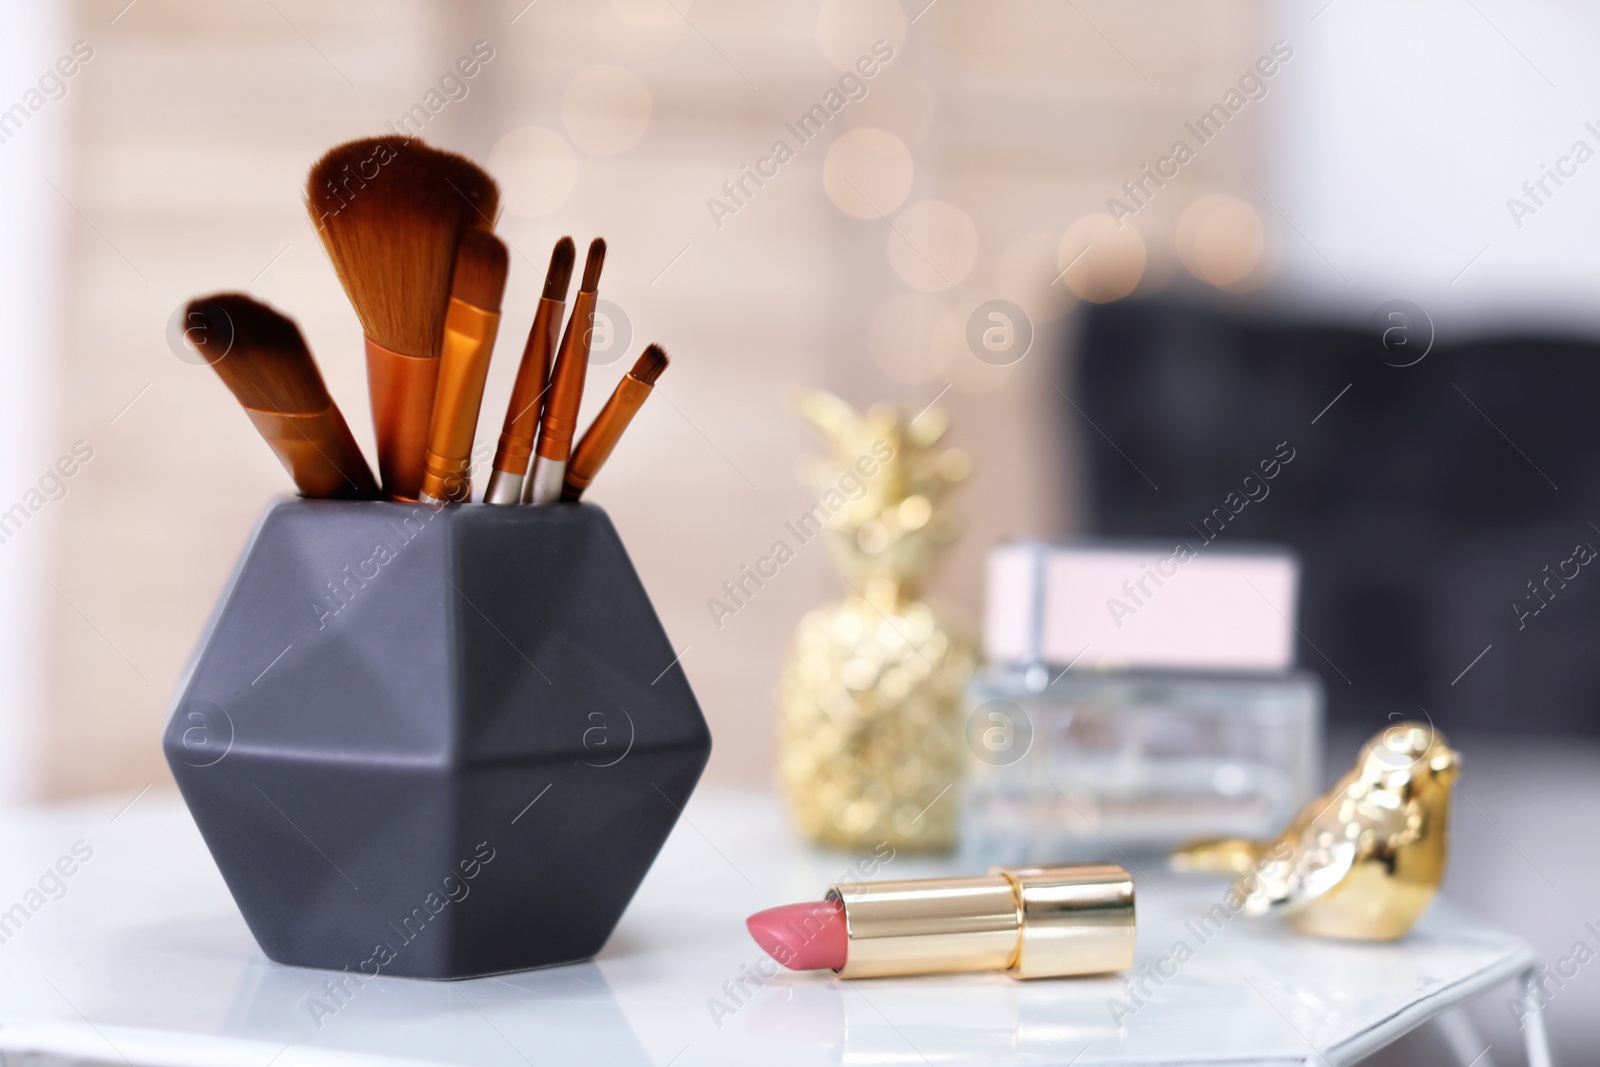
(867, 173)
(932, 245)
(536, 169)
(1101, 261)
(606, 109)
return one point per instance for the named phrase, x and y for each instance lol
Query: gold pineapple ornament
(870, 737)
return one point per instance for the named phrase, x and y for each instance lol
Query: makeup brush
(473, 183)
(262, 359)
(390, 219)
(470, 325)
(602, 435)
(527, 392)
(560, 419)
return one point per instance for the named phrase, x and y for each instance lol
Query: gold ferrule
(401, 388)
(1031, 922)
(319, 453)
(469, 334)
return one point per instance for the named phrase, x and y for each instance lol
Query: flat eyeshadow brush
(470, 326)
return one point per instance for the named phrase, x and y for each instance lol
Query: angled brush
(262, 359)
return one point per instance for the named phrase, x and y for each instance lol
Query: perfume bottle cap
(1130, 605)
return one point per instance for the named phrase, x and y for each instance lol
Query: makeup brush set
(423, 736)
(409, 229)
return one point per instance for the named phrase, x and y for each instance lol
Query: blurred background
(1376, 242)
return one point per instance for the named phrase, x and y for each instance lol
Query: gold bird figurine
(1362, 861)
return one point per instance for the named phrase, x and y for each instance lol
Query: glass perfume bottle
(1112, 718)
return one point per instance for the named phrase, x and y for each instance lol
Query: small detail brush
(527, 392)
(470, 326)
(602, 436)
(262, 359)
(560, 420)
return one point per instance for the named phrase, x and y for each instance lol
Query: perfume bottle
(1137, 695)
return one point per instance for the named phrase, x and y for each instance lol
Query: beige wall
(192, 128)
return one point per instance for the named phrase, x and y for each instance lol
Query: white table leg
(1466, 1043)
(1533, 1033)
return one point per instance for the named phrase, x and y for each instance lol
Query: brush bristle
(559, 276)
(481, 264)
(390, 220)
(258, 353)
(650, 365)
(592, 266)
(472, 182)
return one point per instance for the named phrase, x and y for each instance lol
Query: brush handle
(527, 394)
(560, 421)
(469, 334)
(401, 388)
(602, 436)
(319, 453)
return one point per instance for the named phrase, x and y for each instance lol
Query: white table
(145, 959)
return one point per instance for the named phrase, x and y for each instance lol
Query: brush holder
(434, 743)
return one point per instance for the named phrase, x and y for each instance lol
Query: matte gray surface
(434, 743)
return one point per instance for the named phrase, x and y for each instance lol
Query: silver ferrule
(504, 488)
(545, 484)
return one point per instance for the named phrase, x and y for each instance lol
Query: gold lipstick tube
(595, 447)
(1031, 922)
(319, 453)
(469, 333)
(560, 422)
(402, 389)
(515, 449)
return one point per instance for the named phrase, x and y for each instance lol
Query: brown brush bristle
(650, 365)
(559, 276)
(472, 182)
(258, 353)
(390, 222)
(481, 264)
(591, 267)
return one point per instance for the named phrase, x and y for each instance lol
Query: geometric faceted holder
(434, 743)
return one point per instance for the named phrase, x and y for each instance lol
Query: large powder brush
(390, 213)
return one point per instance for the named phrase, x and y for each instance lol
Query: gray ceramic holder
(434, 743)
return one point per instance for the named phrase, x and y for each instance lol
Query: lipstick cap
(1075, 920)
(1032, 922)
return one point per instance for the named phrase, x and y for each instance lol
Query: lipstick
(1030, 922)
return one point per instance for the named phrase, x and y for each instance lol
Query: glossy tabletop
(139, 955)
